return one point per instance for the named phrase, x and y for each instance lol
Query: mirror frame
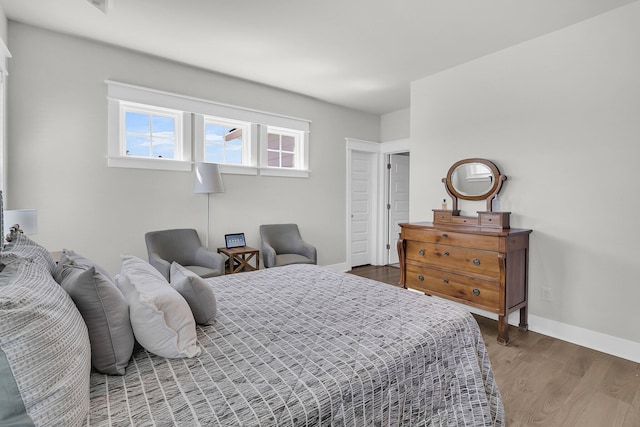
(498, 179)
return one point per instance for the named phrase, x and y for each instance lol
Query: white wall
(560, 117)
(394, 126)
(58, 145)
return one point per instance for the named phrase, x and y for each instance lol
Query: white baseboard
(341, 268)
(609, 344)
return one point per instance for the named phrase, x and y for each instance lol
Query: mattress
(303, 345)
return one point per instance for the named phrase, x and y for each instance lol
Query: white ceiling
(361, 54)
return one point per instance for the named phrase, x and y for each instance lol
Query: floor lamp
(208, 180)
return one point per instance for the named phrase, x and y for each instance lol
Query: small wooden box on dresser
(478, 261)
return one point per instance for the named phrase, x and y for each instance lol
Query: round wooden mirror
(473, 179)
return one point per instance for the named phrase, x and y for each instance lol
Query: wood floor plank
(602, 410)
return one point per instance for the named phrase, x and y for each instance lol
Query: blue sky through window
(219, 150)
(149, 135)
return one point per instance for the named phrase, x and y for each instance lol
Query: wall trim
(340, 268)
(598, 341)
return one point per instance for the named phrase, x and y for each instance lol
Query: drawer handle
(476, 292)
(421, 252)
(421, 278)
(476, 261)
(445, 235)
(446, 280)
(446, 254)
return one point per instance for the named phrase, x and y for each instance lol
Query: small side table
(239, 259)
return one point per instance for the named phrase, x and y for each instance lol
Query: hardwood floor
(548, 382)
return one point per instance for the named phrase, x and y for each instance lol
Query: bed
(300, 345)
(304, 345)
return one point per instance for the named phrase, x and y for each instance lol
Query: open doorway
(397, 207)
(369, 194)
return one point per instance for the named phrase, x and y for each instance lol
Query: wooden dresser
(478, 266)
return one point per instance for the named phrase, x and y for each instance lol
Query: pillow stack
(51, 333)
(161, 318)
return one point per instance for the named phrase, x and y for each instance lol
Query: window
(147, 129)
(226, 141)
(151, 132)
(281, 150)
(284, 152)
(152, 129)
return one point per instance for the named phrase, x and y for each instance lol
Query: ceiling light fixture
(103, 5)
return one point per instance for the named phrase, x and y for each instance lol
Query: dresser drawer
(479, 293)
(455, 258)
(478, 241)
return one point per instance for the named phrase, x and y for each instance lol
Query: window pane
(228, 142)
(137, 146)
(163, 126)
(233, 152)
(273, 158)
(214, 133)
(136, 123)
(273, 141)
(214, 153)
(233, 157)
(163, 148)
(288, 143)
(287, 160)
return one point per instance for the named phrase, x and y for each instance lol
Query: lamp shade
(208, 178)
(27, 219)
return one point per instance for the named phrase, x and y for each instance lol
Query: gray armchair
(283, 245)
(182, 246)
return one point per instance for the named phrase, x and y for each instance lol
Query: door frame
(379, 150)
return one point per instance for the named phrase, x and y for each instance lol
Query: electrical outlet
(545, 294)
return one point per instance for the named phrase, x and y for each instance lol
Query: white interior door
(398, 211)
(361, 208)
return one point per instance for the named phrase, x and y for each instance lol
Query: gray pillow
(106, 314)
(73, 258)
(197, 292)
(45, 350)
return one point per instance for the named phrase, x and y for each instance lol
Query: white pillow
(160, 317)
(196, 291)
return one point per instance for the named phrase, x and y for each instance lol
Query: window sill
(294, 173)
(158, 164)
(238, 169)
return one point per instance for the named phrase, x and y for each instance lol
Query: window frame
(177, 116)
(249, 151)
(301, 152)
(123, 98)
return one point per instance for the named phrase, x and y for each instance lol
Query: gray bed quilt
(306, 346)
